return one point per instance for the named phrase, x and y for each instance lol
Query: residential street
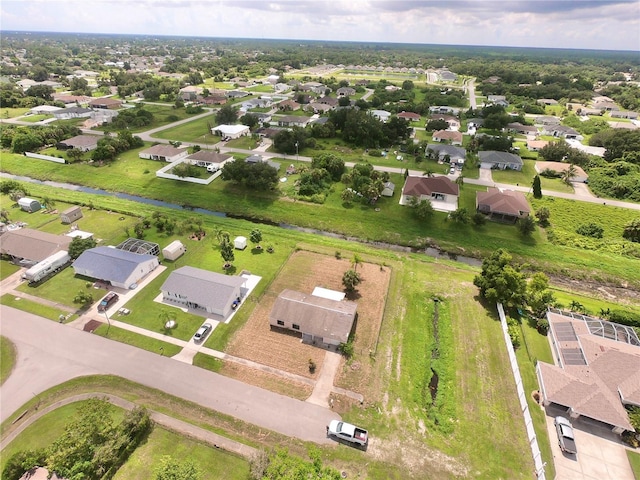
(50, 353)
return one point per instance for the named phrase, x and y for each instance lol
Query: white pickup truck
(348, 432)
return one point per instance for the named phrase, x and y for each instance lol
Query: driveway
(50, 353)
(485, 175)
(601, 455)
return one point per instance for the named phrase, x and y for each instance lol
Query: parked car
(566, 440)
(202, 332)
(107, 301)
(348, 432)
(452, 170)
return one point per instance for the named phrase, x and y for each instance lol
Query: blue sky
(591, 24)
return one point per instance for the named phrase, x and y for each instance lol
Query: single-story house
(536, 145)
(596, 371)
(206, 158)
(236, 94)
(345, 92)
(455, 154)
(288, 105)
(292, 121)
(381, 115)
(106, 103)
(262, 102)
(230, 131)
(330, 101)
(389, 188)
(164, 153)
(440, 191)
(119, 267)
(546, 101)
(263, 117)
(498, 100)
(84, 143)
(199, 289)
(72, 112)
(32, 245)
(71, 99)
(546, 120)
(174, 250)
(562, 131)
(518, 127)
(500, 160)
(454, 123)
(71, 214)
(623, 125)
(624, 114)
(319, 320)
(30, 205)
(409, 116)
(190, 92)
(443, 109)
(452, 136)
(560, 167)
(317, 107)
(503, 205)
(315, 87)
(44, 109)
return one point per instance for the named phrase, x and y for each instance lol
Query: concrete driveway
(485, 174)
(601, 455)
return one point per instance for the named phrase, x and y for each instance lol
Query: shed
(29, 204)
(71, 214)
(389, 188)
(240, 243)
(174, 250)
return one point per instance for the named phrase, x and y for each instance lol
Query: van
(108, 301)
(212, 168)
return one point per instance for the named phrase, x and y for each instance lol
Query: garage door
(486, 165)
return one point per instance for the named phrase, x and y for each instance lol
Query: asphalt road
(50, 353)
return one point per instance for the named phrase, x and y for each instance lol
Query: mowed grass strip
(7, 358)
(135, 339)
(36, 308)
(7, 269)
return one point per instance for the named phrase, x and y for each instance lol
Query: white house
(230, 131)
(381, 115)
(118, 267)
(198, 289)
(210, 159)
(164, 153)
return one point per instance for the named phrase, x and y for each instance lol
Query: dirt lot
(303, 272)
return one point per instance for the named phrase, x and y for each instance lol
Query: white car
(202, 332)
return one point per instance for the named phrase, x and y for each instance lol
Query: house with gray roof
(455, 154)
(320, 321)
(118, 267)
(163, 153)
(500, 160)
(84, 143)
(198, 289)
(562, 131)
(205, 158)
(32, 245)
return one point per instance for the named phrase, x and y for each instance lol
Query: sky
(585, 24)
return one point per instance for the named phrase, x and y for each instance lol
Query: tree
(165, 316)
(74, 154)
(227, 115)
(357, 260)
(478, 219)
(83, 298)
(526, 226)
(170, 469)
(256, 237)
(351, 279)
(348, 195)
(423, 209)
(501, 281)
(79, 245)
(331, 163)
(576, 306)
(226, 251)
(461, 215)
(632, 230)
(539, 297)
(251, 120)
(569, 174)
(537, 187)
(543, 214)
(22, 462)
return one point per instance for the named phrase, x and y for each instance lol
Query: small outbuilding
(240, 243)
(389, 188)
(71, 214)
(174, 250)
(29, 204)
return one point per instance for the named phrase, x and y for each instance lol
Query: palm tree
(428, 173)
(569, 174)
(460, 181)
(576, 306)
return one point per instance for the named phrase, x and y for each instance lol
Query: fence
(162, 173)
(528, 421)
(45, 157)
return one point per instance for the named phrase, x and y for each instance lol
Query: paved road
(50, 353)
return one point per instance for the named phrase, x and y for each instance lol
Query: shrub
(543, 326)
(346, 349)
(590, 230)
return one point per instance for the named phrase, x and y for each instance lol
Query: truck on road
(566, 439)
(348, 432)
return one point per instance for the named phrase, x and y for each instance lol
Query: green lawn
(30, 306)
(7, 269)
(162, 115)
(213, 463)
(7, 358)
(141, 341)
(525, 178)
(63, 288)
(196, 131)
(35, 118)
(592, 305)
(13, 112)
(634, 461)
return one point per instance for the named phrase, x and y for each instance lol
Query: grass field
(7, 358)
(137, 340)
(196, 131)
(634, 460)
(30, 306)
(63, 288)
(525, 177)
(7, 269)
(162, 115)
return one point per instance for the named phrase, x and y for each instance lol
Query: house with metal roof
(596, 371)
(319, 320)
(198, 289)
(118, 267)
(32, 245)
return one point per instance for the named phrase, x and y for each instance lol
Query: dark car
(202, 332)
(107, 301)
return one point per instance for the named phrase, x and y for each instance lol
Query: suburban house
(440, 191)
(498, 100)
(452, 136)
(624, 114)
(288, 105)
(345, 92)
(262, 102)
(454, 123)
(317, 107)
(198, 289)
(518, 127)
(106, 103)
(230, 131)
(71, 214)
(381, 115)
(118, 267)
(500, 160)
(502, 205)
(72, 112)
(409, 116)
(315, 87)
(444, 151)
(596, 371)
(83, 143)
(545, 120)
(546, 101)
(443, 109)
(190, 92)
(207, 158)
(330, 101)
(292, 121)
(536, 145)
(623, 125)
(562, 131)
(325, 320)
(71, 100)
(44, 109)
(560, 168)
(164, 153)
(32, 245)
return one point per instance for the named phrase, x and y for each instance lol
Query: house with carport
(205, 291)
(502, 205)
(440, 191)
(106, 103)
(120, 268)
(323, 318)
(164, 153)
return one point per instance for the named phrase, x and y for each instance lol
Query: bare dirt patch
(304, 271)
(272, 382)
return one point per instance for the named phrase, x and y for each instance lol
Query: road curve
(50, 353)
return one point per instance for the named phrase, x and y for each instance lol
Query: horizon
(603, 25)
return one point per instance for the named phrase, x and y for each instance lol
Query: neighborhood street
(50, 353)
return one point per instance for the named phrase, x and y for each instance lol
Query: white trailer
(49, 265)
